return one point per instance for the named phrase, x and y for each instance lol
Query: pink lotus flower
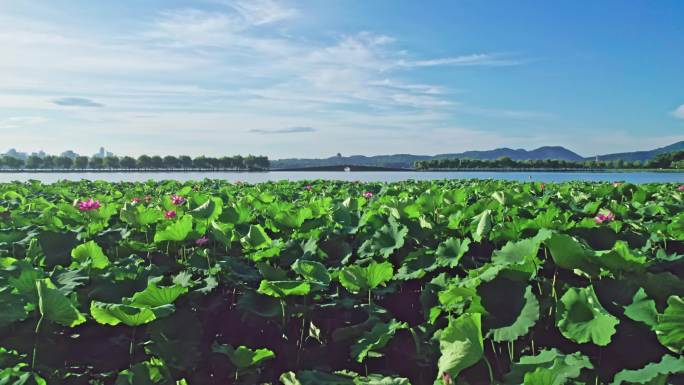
(368, 195)
(170, 214)
(603, 217)
(202, 241)
(616, 184)
(88, 205)
(680, 188)
(308, 187)
(135, 200)
(177, 200)
(542, 186)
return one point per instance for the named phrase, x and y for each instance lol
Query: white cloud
(465, 60)
(258, 12)
(219, 74)
(679, 112)
(15, 122)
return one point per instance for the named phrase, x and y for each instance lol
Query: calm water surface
(378, 176)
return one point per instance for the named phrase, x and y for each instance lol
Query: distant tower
(339, 155)
(102, 152)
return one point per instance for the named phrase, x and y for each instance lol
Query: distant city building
(16, 154)
(41, 154)
(69, 154)
(102, 153)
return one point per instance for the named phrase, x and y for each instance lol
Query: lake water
(257, 177)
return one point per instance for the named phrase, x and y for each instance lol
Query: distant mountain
(393, 161)
(408, 160)
(642, 155)
(547, 152)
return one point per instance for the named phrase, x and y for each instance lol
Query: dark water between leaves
(377, 176)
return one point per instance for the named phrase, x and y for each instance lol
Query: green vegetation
(143, 162)
(673, 160)
(296, 283)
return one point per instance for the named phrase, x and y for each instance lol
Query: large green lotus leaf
(621, 259)
(282, 289)
(313, 377)
(243, 357)
(568, 253)
(524, 320)
(152, 372)
(484, 225)
(353, 278)
(449, 252)
(312, 271)
(501, 196)
(236, 214)
(140, 216)
(521, 251)
(415, 265)
(549, 367)
(642, 309)
(116, 313)
(356, 278)
(57, 247)
(659, 286)
(581, 318)
(25, 283)
(209, 210)
(375, 339)
(293, 218)
(256, 238)
(670, 328)
(154, 296)
(90, 251)
(651, 372)
(260, 305)
(9, 236)
(175, 232)
(385, 240)
(455, 299)
(379, 379)
(11, 308)
(55, 306)
(460, 344)
(378, 273)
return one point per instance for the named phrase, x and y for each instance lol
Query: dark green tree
(127, 162)
(144, 161)
(81, 162)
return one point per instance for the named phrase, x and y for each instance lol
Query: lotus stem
(131, 347)
(489, 370)
(34, 355)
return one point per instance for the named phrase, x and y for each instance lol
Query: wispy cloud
(184, 68)
(77, 102)
(679, 112)
(465, 60)
(286, 130)
(21, 121)
(259, 12)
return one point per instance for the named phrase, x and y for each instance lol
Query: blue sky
(313, 78)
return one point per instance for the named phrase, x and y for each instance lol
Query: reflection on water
(377, 176)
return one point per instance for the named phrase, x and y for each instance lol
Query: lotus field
(338, 283)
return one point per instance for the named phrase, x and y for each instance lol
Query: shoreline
(327, 169)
